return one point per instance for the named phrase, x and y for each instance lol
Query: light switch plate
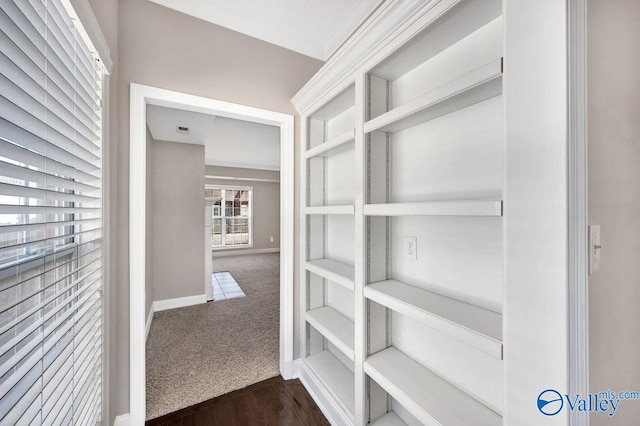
(411, 248)
(595, 247)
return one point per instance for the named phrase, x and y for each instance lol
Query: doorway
(141, 97)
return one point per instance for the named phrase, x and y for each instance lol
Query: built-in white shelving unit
(337, 145)
(437, 208)
(337, 272)
(335, 377)
(327, 335)
(347, 209)
(477, 327)
(389, 419)
(476, 86)
(430, 398)
(402, 226)
(334, 326)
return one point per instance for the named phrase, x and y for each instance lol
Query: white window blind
(50, 218)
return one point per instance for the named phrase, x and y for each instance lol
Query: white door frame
(141, 96)
(577, 206)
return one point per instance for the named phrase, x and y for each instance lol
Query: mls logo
(550, 402)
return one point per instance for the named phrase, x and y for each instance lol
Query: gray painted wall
(156, 46)
(176, 198)
(614, 201)
(266, 203)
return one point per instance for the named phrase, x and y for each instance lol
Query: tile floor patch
(225, 287)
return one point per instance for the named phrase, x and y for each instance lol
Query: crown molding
(393, 23)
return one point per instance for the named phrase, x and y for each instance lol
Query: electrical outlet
(270, 239)
(411, 248)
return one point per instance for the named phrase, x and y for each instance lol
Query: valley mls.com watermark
(551, 402)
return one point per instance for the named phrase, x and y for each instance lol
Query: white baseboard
(241, 252)
(296, 368)
(289, 370)
(322, 396)
(180, 302)
(122, 420)
(148, 324)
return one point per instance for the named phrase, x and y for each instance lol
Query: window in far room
(231, 216)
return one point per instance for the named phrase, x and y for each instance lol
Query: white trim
(244, 179)
(225, 248)
(296, 368)
(122, 420)
(237, 165)
(321, 396)
(235, 251)
(141, 96)
(578, 246)
(232, 187)
(149, 320)
(91, 31)
(178, 302)
(107, 223)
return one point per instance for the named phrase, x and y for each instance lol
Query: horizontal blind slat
(51, 262)
(42, 163)
(22, 405)
(21, 116)
(59, 396)
(14, 134)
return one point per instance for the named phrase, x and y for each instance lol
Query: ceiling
(227, 142)
(314, 28)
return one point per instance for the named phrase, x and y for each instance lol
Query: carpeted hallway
(203, 351)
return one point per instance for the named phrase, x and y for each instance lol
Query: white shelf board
(437, 208)
(337, 272)
(346, 209)
(476, 86)
(430, 398)
(334, 326)
(473, 325)
(442, 34)
(335, 377)
(333, 146)
(389, 419)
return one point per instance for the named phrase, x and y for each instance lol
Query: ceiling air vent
(182, 129)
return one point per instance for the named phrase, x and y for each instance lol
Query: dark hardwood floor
(271, 402)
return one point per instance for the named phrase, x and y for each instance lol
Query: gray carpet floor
(200, 352)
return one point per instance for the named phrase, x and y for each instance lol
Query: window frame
(224, 217)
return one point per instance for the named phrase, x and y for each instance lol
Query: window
(50, 217)
(231, 216)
